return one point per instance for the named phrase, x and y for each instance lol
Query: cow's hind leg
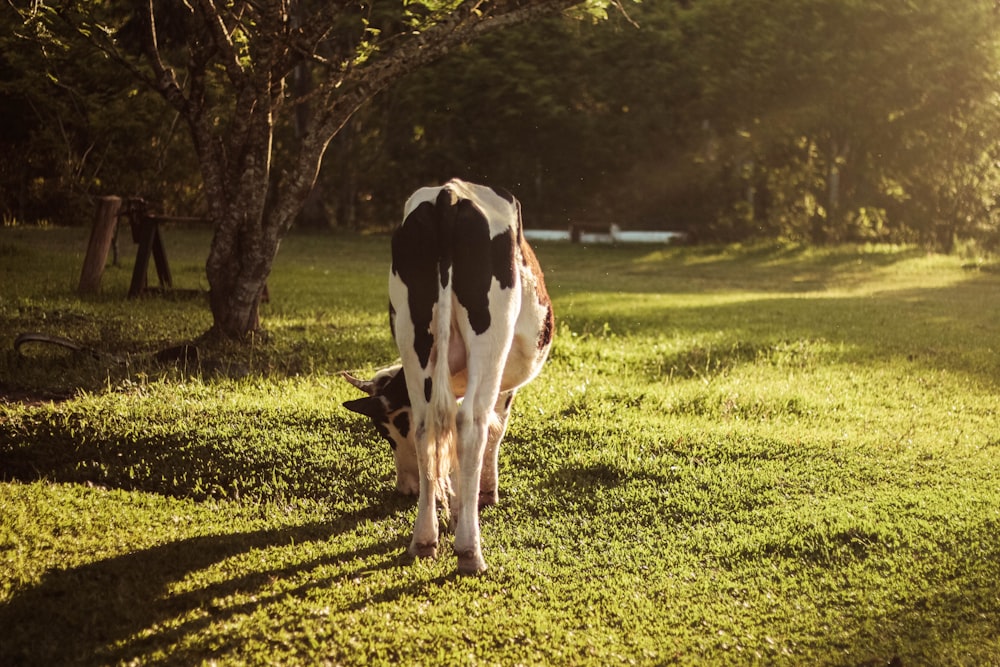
(472, 436)
(473, 425)
(425, 529)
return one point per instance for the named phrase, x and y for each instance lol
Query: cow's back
(470, 237)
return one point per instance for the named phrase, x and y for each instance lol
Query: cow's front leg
(472, 437)
(489, 478)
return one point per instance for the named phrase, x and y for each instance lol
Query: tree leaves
(820, 121)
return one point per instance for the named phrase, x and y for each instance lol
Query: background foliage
(823, 121)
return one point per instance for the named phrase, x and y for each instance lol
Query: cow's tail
(442, 406)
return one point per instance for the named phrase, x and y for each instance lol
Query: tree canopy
(817, 121)
(227, 70)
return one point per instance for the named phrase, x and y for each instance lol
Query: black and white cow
(473, 321)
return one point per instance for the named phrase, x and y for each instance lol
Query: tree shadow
(125, 608)
(760, 268)
(937, 328)
(957, 606)
(113, 610)
(184, 461)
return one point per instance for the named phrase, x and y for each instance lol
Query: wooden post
(143, 232)
(101, 236)
(146, 233)
(160, 258)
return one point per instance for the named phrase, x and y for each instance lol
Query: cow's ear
(370, 406)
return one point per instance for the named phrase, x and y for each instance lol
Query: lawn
(742, 455)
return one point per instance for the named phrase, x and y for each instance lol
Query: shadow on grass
(761, 267)
(124, 609)
(940, 329)
(314, 457)
(950, 617)
(117, 610)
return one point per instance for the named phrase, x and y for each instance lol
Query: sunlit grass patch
(742, 455)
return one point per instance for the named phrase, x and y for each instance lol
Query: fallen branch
(184, 352)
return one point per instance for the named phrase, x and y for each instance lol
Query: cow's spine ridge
(442, 406)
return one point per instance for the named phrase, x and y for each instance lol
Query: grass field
(756, 455)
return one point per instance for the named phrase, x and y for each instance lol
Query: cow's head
(388, 406)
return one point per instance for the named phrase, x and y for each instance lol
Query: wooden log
(101, 236)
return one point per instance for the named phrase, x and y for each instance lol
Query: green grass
(744, 455)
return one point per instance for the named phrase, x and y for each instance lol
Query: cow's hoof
(424, 550)
(488, 498)
(471, 563)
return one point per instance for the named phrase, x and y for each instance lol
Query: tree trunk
(836, 162)
(249, 226)
(313, 215)
(246, 234)
(237, 271)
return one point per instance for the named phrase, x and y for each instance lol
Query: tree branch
(414, 50)
(166, 81)
(223, 40)
(341, 96)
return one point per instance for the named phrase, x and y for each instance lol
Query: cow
(473, 323)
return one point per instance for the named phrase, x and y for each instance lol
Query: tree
(860, 120)
(225, 67)
(72, 126)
